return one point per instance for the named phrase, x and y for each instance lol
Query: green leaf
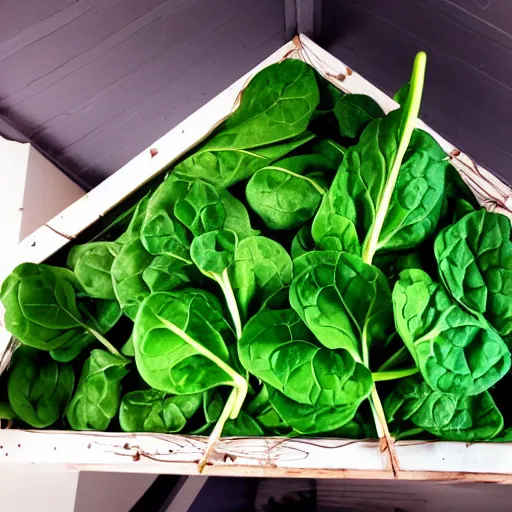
(103, 315)
(348, 214)
(92, 264)
(237, 218)
(41, 307)
(260, 268)
(345, 302)
(200, 210)
(273, 115)
(213, 252)
(6, 411)
(136, 273)
(155, 411)
(302, 242)
(280, 350)
(330, 150)
(353, 112)
(456, 352)
(475, 262)
(161, 232)
(371, 206)
(97, 396)
(287, 193)
(133, 230)
(308, 419)
(39, 388)
(181, 343)
(449, 417)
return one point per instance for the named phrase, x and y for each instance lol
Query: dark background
(94, 82)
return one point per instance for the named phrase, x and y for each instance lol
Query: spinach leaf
(389, 190)
(41, 307)
(38, 387)
(181, 344)
(330, 150)
(161, 232)
(475, 262)
(97, 396)
(357, 205)
(353, 113)
(255, 266)
(242, 425)
(200, 210)
(271, 120)
(260, 268)
(102, 315)
(279, 349)
(237, 218)
(345, 302)
(135, 225)
(92, 264)
(309, 419)
(450, 417)
(136, 273)
(155, 411)
(213, 253)
(302, 242)
(287, 193)
(6, 411)
(455, 351)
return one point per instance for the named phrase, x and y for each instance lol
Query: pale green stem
(225, 285)
(412, 432)
(412, 110)
(239, 383)
(313, 183)
(396, 374)
(113, 350)
(217, 431)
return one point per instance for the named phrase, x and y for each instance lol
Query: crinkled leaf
(97, 396)
(39, 388)
(155, 411)
(286, 194)
(92, 264)
(455, 351)
(279, 349)
(475, 262)
(345, 302)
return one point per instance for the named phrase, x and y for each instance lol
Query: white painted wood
(156, 453)
(32, 191)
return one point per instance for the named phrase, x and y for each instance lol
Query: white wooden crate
(165, 453)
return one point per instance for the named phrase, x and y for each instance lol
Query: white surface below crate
(162, 453)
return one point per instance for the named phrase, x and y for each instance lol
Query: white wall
(32, 191)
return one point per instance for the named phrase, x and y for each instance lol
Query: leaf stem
(227, 290)
(113, 350)
(312, 182)
(407, 125)
(383, 431)
(394, 374)
(217, 431)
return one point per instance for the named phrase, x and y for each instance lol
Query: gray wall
(94, 82)
(468, 95)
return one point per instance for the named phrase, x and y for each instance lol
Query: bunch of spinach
(310, 248)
